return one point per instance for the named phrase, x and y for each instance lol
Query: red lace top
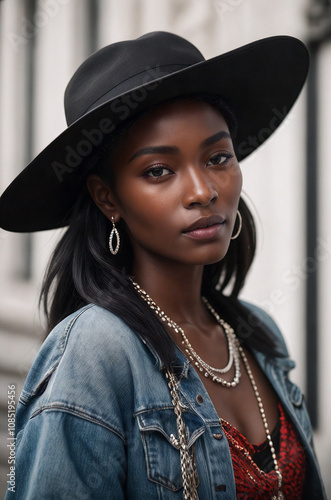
(253, 483)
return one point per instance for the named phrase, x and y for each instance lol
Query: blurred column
(319, 17)
(319, 177)
(118, 20)
(14, 108)
(62, 43)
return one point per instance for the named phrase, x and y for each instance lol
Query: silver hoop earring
(240, 226)
(113, 233)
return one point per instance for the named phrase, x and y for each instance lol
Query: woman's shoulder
(253, 326)
(85, 368)
(259, 316)
(93, 341)
(96, 333)
(93, 324)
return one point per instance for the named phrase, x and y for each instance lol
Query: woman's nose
(199, 188)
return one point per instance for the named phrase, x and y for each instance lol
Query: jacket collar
(182, 363)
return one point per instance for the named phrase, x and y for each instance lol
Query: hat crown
(122, 66)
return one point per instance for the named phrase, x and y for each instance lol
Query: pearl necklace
(209, 371)
(235, 351)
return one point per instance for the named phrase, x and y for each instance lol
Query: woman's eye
(157, 172)
(219, 159)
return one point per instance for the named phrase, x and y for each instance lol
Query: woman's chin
(208, 259)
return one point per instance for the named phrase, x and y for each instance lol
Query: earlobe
(103, 196)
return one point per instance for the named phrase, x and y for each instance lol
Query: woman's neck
(174, 287)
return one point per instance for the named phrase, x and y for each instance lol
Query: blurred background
(287, 182)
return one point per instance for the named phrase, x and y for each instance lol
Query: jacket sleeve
(63, 456)
(70, 441)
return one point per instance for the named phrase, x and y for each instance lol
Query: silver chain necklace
(280, 495)
(209, 371)
(189, 473)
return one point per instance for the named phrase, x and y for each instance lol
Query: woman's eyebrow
(215, 138)
(150, 150)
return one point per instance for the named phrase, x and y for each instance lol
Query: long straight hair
(82, 270)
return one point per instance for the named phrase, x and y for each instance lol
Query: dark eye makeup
(220, 158)
(159, 171)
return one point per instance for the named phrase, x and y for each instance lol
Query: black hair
(82, 270)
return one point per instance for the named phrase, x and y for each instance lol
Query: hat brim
(260, 82)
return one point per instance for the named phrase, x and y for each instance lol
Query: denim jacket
(95, 417)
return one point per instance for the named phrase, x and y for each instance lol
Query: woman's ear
(103, 197)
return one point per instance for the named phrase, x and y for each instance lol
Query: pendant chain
(189, 473)
(188, 467)
(265, 423)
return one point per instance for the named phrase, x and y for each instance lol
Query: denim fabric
(95, 417)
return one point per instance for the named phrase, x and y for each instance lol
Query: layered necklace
(235, 353)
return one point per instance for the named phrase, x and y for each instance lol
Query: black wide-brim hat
(259, 82)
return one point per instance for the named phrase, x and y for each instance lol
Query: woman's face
(178, 184)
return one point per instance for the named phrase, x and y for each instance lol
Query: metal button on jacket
(199, 399)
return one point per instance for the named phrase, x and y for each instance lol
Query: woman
(153, 382)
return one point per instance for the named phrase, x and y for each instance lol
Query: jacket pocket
(157, 429)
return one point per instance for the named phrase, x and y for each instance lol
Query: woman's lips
(206, 233)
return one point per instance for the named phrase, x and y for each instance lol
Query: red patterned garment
(253, 483)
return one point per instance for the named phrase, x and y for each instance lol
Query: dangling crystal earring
(240, 226)
(113, 233)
